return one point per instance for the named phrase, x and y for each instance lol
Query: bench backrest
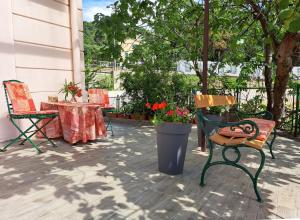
(203, 101)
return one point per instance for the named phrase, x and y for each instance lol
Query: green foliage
(104, 81)
(92, 50)
(169, 112)
(128, 108)
(110, 33)
(253, 105)
(152, 87)
(96, 80)
(102, 38)
(90, 77)
(169, 31)
(289, 15)
(217, 110)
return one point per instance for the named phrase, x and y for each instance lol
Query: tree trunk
(284, 58)
(280, 86)
(268, 75)
(198, 73)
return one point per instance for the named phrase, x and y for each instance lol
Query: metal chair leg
(109, 127)
(40, 129)
(17, 138)
(27, 138)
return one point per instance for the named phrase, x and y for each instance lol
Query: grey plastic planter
(172, 139)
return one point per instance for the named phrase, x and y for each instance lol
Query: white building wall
(7, 64)
(36, 48)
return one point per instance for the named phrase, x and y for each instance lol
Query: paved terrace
(117, 178)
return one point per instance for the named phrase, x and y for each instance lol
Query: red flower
(155, 106)
(148, 105)
(179, 112)
(72, 88)
(170, 112)
(79, 93)
(186, 111)
(162, 105)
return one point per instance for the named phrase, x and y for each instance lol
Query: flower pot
(137, 116)
(172, 139)
(123, 116)
(148, 117)
(111, 115)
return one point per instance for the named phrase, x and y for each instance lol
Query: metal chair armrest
(247, 126)
(264, 114)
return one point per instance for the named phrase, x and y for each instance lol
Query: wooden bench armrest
(247, 126)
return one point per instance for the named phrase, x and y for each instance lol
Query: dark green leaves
(283, 4)
(295, 25)
(285, 14)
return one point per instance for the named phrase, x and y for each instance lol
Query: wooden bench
(251, 130)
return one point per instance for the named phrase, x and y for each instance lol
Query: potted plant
(71, 88)
(173, 128)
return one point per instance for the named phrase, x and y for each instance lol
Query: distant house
(186, 67)
(128, 47)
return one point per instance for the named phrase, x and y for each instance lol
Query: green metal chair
(21, 106)
(243, 133)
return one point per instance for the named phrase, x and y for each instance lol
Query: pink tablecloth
(76, 122)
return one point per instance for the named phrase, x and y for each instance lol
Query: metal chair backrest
(99, 96)
(18, 97)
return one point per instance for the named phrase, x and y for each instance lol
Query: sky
(92, 7)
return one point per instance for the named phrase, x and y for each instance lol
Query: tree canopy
(250, 33)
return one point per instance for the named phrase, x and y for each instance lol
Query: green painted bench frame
(248, 127)
(33, 118)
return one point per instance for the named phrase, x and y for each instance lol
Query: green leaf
(268, 40)
(283, 4)
(286, 13)
(295, 25)
(238, 2)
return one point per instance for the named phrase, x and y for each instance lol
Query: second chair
(100, 96)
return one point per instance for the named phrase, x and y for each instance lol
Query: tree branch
(259, 15)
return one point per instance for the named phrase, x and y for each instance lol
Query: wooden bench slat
(230, 141)
(202, 101)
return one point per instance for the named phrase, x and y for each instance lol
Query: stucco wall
(36, 45)
(7, 64)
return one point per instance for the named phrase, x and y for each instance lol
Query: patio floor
(117, 178)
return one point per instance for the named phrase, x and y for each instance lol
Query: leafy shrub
(93, 79)
(253, 105)
(153, 87)
(104, 81)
